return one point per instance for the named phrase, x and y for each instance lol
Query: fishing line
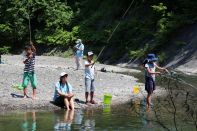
(114, 30)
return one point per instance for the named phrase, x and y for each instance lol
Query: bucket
(136, 89)
(107, 99)
(106, 109)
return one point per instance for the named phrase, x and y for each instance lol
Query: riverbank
(48, 70)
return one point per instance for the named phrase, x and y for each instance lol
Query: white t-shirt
(152, 67)
(89, 71)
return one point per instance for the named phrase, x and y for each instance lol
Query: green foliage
(147, 26)
(50, 21)
(57, 52)
(4, 50)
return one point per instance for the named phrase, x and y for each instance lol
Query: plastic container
(136, 89)
(107, 99)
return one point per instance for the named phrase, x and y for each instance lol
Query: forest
(129, 28)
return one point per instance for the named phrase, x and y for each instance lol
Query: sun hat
(151, 57)
(63, 74)
(90, 53)
(78, 41)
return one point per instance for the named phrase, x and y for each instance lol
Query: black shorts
(59, 101)
(149, 85)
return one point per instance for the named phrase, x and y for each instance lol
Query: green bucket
(107, 99)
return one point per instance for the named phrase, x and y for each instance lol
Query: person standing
(79, 49)
(29, 72)
(150, 74)
(89, 78)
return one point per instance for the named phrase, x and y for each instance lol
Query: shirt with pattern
(30, 64)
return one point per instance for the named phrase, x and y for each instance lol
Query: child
(63, 92)
(29, 72)
(150, 72)
(89, 78)
(79, 48)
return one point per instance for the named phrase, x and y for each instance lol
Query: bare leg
(34, 116)
(66, 102)
(71, 116)
(148, 100)
(91, 96)
(34, 93)
(86, 96)
(77, 62)
(25, 92)
(66, 113)
(72, 104)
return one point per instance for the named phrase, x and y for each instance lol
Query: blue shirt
(79, 52)
(62, 88)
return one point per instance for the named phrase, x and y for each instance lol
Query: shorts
(149, 85)
(89, 85)
(59, 101)
(29, 76)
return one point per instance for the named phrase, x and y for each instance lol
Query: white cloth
(89, 71)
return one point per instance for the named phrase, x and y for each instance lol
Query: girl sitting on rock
(63, 93)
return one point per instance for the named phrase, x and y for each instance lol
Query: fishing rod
(173, 75)
(123, 16)
(98, 55)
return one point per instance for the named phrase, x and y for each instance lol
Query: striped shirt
(29, 65)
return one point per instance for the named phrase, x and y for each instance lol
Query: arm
(25, 61)
(33, 47)
(61, 94)
(76, 47)
(89, 64)
(149, 71)
(161, 68)
(70, 94)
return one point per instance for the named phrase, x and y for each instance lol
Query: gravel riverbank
(48, 70)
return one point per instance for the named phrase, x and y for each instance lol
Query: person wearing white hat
(63, 95)
(89, 78)
(79, 49)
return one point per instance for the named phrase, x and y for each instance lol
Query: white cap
(63, 74)
(79, 41)
(90, 53)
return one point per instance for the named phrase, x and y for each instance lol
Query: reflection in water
(144, 113)
(89, 123)
(27, 124)
(65, 122)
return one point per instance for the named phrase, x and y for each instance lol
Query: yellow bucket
(107, 99)
(136, 89)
